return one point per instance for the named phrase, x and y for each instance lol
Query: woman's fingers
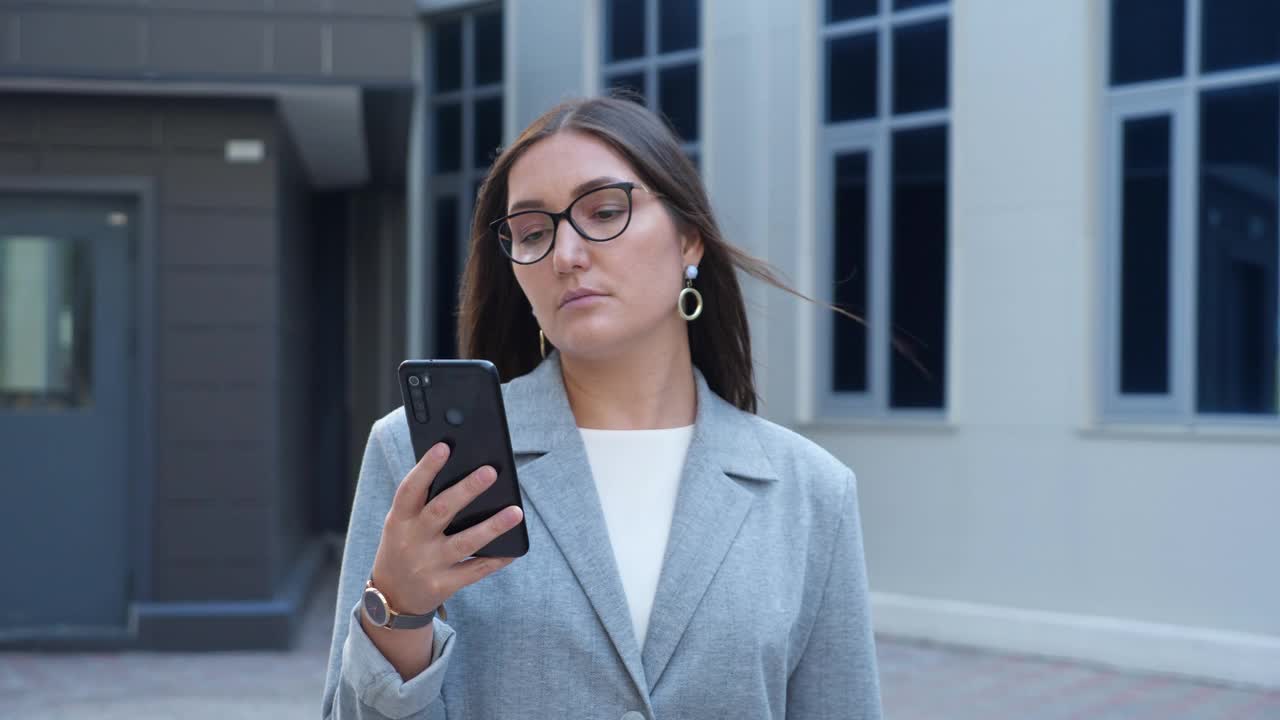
(413, 490)
(468, 542)
(474, 570)
(446, 504)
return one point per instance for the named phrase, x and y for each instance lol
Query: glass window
(448, 148)
(920, 67)
(45, 323)
(677, 25)
(918, 304)
(446, 275)
(626, 29)
(678, 99)
(849, 273)
(488, 48)
(488, 126)
(1145, 256)
(838, 10)
(447, 55)
(1239, 33)
(1146, 40)
(851, 77)
(1239, 258)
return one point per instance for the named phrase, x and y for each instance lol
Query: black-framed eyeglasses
(600, 214)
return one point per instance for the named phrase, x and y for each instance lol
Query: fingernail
(511, 514)
(440, 450)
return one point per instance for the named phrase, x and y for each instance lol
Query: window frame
(653, 61)
(459, 184)
(1179, 99)
(874, 135)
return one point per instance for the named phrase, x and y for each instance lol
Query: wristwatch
(380, 612)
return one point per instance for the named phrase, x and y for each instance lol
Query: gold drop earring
(690, 272)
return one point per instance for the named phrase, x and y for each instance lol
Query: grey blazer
(761, 609)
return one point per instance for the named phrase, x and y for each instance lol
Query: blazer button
(632, 715)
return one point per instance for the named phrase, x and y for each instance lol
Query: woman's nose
(570, 252)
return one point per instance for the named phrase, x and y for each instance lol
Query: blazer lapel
(710, 508)
(560, 486)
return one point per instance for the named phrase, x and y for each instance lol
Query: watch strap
(402, 621)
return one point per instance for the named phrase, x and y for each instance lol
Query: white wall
(1152, 549)
(1020, 523)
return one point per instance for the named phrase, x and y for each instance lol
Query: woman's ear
(692, 247)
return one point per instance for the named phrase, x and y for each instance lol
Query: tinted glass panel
(1144, 257)
(920, 67)
(1238, 33)
(46, 322)
(678, 99)
(849, 273)
(447, 55)
(628, 83)
(678, 24)
(448, 144)
(851, 77)
(849, 9)
(918, 283)
(626, 29)
(488, 131)
(446, 275)
(488, 48)
(1238, 254)
(1146, 39)
(909, 4)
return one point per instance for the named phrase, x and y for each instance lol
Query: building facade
(1058, 221)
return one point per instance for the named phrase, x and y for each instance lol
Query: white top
(637, 474)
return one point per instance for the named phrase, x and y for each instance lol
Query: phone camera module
(413, 380)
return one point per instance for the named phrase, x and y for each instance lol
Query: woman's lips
(581, 300)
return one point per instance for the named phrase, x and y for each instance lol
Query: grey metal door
(65, 394)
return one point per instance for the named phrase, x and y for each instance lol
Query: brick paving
(919, 681)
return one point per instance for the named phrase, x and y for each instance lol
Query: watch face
(375, 607)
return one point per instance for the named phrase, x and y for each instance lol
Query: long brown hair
(496, 322)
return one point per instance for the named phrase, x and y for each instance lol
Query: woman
(687, 559)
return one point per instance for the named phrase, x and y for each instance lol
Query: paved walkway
(919, 682)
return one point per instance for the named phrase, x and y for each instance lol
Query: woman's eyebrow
(577, 190)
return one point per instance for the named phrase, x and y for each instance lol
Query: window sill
(1182, 432)
(884, 425)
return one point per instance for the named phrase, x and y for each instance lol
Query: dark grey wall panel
(213, 580)
(93, 161)
(226, 473)
(17, 123)
(233, 40)
(17, 162)
(223, 5)
(207, 44)
(372, 49)
(208, 181)
(68, 40)
(394, 8)
(8, 48)
(299, 48)
(206, 127)
(100, 125)
(224, 298)
(217, 239)
(213, 529)
(203, 416)
(235, 356)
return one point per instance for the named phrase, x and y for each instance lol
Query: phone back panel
(459, 402)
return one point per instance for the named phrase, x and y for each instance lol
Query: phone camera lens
(413, 380)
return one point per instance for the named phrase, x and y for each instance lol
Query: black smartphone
(459, 402)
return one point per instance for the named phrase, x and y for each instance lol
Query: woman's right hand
(417, 566)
